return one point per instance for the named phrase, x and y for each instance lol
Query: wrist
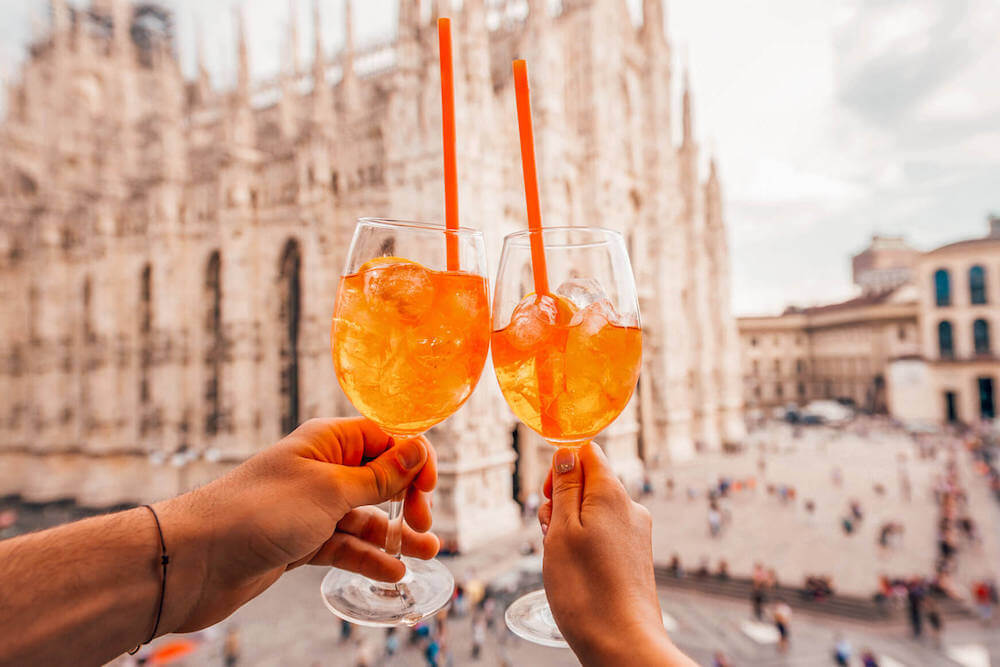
(642, 644)
(187, 541)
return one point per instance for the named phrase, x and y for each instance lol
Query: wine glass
(409, 339)
(567, 361)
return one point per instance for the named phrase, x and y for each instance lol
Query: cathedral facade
(170, 253)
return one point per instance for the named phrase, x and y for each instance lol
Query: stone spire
(203, 82)
(438, 9)
(409, 20)
(243, 132)
(652, 21)
(538, 12)
(686, 111)
(287, 107)
(81, 39)
(349, 81)
(243, 59)
(322, 111)
(60, 23)
(713, 197)
(293, 38)
(121, 27)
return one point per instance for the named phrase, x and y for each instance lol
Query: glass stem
(394, 533)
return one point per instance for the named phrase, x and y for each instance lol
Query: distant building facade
(954, 377)
(169, 253)
(917, 343)
(836, 352)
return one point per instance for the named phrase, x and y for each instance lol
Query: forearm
(88, 591)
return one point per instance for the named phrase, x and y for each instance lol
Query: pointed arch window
(145, 330)
(942, 287)
(981, 336)
(946, 343)
(215, 345)
(977, 285)
(290, 293)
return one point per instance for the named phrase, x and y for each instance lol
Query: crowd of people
(956, 530)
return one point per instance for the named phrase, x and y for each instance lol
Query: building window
(942, 287)
(753, 341)
(777, 366)
(215, 348)
(800, 366)
(290, 294)
(977, 285)
(950, 407)
(987, 407)
(756, 367)
(981, 336)
(145, 334)
(802, 390)
(901, 332)
(946, 345)
(779, 391)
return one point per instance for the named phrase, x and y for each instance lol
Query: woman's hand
(598, 565)
(301, 501)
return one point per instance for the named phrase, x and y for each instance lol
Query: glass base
(529, 617)
(424, 590)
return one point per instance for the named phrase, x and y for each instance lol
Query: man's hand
(298, 502)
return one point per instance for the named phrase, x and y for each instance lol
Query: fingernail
(410, 454)
(545, 529)
(565, 460)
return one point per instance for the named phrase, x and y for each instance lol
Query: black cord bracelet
(164, 560)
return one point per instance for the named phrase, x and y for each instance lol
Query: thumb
(379, 480)
(567, 487)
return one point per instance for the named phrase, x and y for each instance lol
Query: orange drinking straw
(530, 176)
(448, 132)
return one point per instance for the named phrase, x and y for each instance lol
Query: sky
(831, 120)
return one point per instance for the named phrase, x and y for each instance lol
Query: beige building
(836, 352)
(954, 377)
(917, 343)
(839, 351)
(169, 252)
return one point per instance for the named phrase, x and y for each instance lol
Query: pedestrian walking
(758, 586)
(868, 658)
(478, 636)
(345, 630)
(391, 642)
(720, 660)
(782, 618)
(934, 619)
(914, 602)
(714, 520)
(842, 651)
(985, 595)
(231, 647)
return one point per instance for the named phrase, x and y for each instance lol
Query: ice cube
(533, 321)
(402, 288)
(594, 317)
(582, 291)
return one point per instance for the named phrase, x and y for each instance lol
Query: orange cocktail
(566, 373)
(409, 343)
